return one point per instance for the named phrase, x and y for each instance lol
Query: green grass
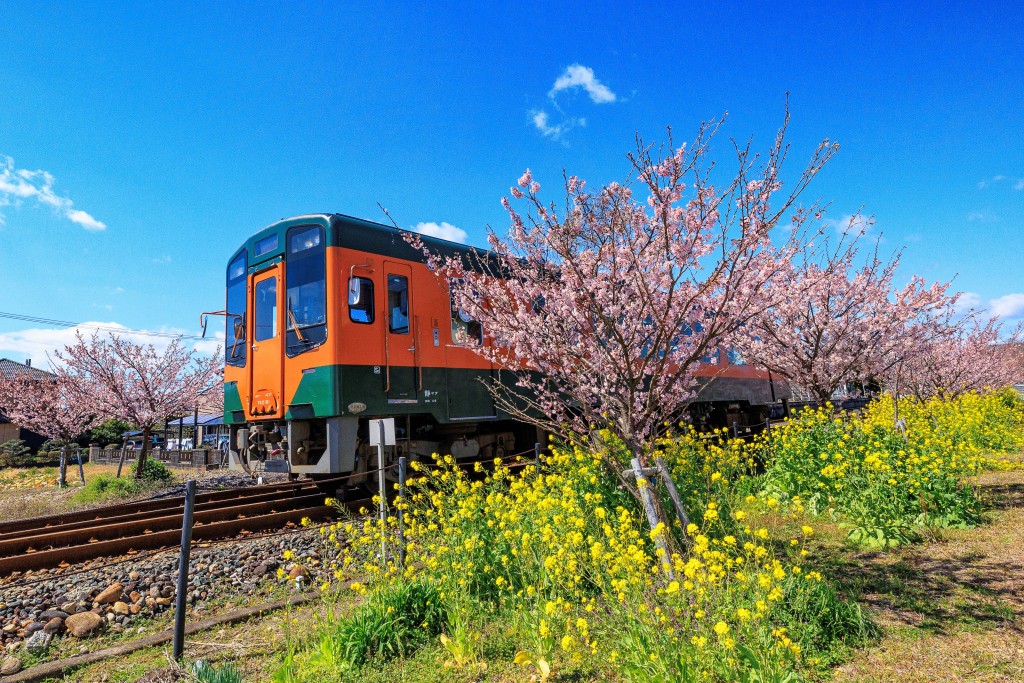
(106, 487)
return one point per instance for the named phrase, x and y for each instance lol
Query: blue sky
(141, 143)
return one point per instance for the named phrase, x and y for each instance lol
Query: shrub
(154, 471)
(207, 673)
(14, 453)
(105, 486)
(394, 623)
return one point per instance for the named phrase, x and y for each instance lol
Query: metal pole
(401, 504)
(536, 454)
(383, 494)
(183, 562)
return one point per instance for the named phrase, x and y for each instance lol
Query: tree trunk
(62, 480)
(143, 452)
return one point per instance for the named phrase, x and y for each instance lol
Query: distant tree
(136, 383)
(970, 354)
(51, 406)
(602, 311)
(845, 322)
(109, 431)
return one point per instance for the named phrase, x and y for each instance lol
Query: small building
(208, 430)
(8, 430)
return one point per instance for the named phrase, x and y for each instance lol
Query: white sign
(389, 431)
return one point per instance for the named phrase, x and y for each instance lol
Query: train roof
(350, 233)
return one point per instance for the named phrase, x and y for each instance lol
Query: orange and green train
(333, 320)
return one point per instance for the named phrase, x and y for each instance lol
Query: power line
(102, 328)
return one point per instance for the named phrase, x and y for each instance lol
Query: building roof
(204, 420)
(10, 368)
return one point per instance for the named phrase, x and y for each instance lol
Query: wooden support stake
(81, 471)
(677, 501)
(647, 498)
(124, 454)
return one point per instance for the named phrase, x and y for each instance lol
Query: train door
(400, 335)
(267, 362)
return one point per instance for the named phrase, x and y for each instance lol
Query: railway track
(60, 540)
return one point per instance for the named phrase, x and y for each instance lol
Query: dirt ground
(952, 610)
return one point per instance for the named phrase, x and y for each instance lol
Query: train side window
(234, 338)
(266, 309)
(360, 300)
(465, 330)
(398, 304)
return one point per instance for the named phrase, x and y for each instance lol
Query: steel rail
(149, 514)
(157, 539)
(106, 531)
(148, 505)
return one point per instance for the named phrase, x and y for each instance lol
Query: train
(332, 321)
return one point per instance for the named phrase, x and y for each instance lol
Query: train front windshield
(306, 275)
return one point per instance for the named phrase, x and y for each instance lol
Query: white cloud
(1008, 307)
(1015, 182)
(542, 123)
(981, 217)
(442, 230)
(166, 258)
(40, 343)
(579, 76)
(18, 185)
(209, 347)
(854, 225)
(966, 302)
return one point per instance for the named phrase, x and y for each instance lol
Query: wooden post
(536, 455)
(124, 454)
(62, 479)
(647, 498)
(677, 501)
(81, 471)
(183, 563)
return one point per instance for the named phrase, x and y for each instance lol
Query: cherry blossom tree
(847, 323)
(601, 311)
(136, 382)
(971, 354)
(49, 405)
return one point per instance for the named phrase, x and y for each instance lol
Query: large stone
(83, 624)
(53, 614)
(110, 594)
(70, 607)
(34, 626)
(121, 608)
(55, 625)
(38, 641)
(11, 666)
